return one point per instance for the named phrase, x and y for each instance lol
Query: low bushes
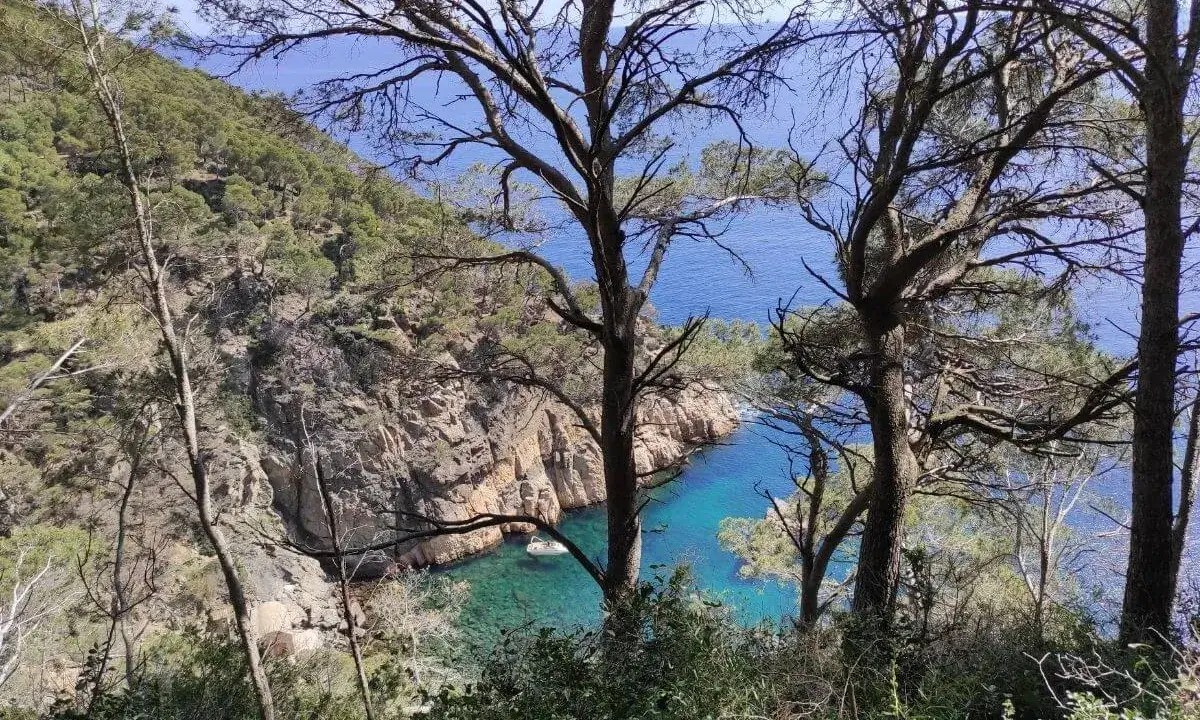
(673, 655)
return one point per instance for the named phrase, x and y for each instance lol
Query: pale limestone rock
(270, 617)
(306, 641)
(290, 644)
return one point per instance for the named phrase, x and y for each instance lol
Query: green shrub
(684, 658)
(186, 678)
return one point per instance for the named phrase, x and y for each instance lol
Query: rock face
(276, 631)
(448, 451)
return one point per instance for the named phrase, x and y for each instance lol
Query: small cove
(508, 587)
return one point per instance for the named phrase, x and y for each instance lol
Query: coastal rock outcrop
(447, 451)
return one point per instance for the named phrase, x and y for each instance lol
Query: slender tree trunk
(1149, 585)
(121, 583)
(237, 600)
(186, 409)
(129, 642)
(1187, 489)
(617, 428)
(825, 549)
(618, 404)
(119, 604)
(91, 34)
(812, 568)
(1045, 558)
(364, 686)
(893, 477)
(339, 560)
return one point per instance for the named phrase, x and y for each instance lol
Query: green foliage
(188, 678)
(676, 656)
(727, 170)
(34, 546)
(727, 167)
(564, 356)
(723, 349)
(248, 159)
(299, 266)
(235, 182)
(239, 202)
(764, 545)
(237, 176)
(683, 659)
(1175, 699)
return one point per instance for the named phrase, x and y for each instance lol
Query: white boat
(544, 548)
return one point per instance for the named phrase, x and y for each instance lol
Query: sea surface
(508, 586)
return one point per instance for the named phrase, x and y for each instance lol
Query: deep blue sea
(508, 586)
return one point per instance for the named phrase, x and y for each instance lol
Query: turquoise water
(508, 587)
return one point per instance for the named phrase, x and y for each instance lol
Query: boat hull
(546, 551)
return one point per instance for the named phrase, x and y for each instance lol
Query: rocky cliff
(446, 450)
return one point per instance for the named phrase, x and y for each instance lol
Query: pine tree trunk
(810, 596)
(620, 471)
(343, 579)
(1149, 584)
(894, 476)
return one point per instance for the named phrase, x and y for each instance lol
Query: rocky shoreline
(525, 456)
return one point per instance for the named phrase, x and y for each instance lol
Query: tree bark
(814, 577)
(894, 474)
(1149, 583)
(617, 429)
(237, 600)
(621, 306)
(810, 579)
